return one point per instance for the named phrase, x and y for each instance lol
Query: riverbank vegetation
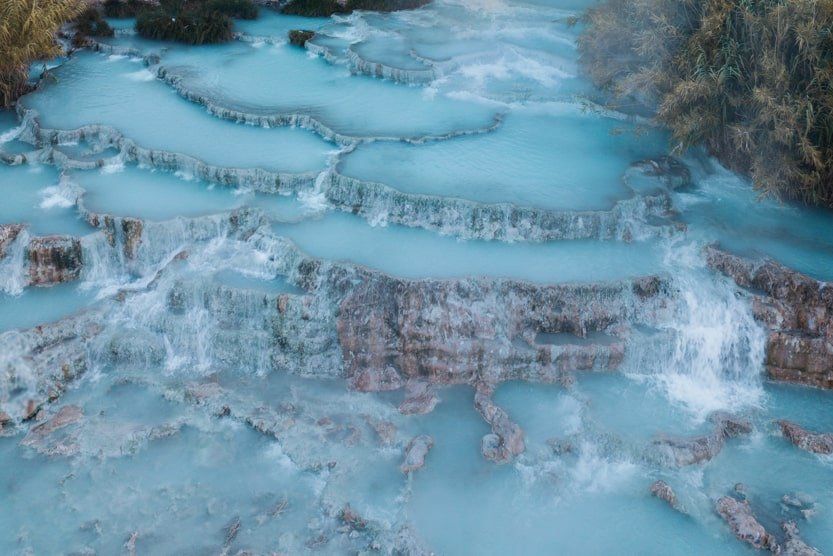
(326, 8)
(749, 79)
(27, 33)
(193, 22)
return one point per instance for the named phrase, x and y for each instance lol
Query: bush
(326, 8)
(299, 37)
(750, 79)
(184, 22)
(240, 9)
(91, 24)
(125, 8)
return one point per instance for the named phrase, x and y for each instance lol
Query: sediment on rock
(797, 311)
(817, 443)
(626, 221)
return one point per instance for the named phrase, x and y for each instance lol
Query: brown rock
(797, 310)
(54, 260)
(352, 519)
(738, 515)
(817, 443)
(661, 490)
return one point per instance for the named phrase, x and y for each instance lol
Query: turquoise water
(212, 412)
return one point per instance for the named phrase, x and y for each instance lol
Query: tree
(27, 34)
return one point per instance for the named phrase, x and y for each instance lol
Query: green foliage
(125, 8)
(27, 33)
(326, 8)
(239, 9)
(299, 37)
(750, 79)
(192, 23)
(91, 24)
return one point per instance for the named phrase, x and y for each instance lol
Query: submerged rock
(415, 453)
(680, 452)
(738, 515)
(817, 443)
(419, 398)
(793, 544)
(506, 440)
(54, 260)
(796, 309)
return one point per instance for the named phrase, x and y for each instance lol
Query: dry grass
(751, 79)
(27, 33)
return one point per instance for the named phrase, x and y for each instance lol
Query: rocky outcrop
(37, 365)
(738, 515)
(415, 453)
(663, 491)
(679, 452)
(54, 260)
(481, 330)
(797, 311)
(817, 443)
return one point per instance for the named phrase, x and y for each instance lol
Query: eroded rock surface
(54, 260)
(797, 311)
(663, 491)
(738, 515)
(817, 443)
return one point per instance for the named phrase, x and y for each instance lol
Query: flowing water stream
(250, 216)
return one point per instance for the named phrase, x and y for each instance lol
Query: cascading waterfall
(270, 240)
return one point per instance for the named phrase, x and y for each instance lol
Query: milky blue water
(199, 432)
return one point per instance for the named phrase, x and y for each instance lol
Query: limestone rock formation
(54, 260)
(738, 515)
(663, 491)
(817, 443)
(506, 441)
(796, 309)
